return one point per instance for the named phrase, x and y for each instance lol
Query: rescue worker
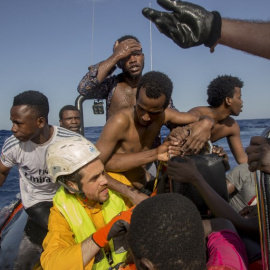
(85, 214)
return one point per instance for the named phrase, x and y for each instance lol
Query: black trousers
(39, 213)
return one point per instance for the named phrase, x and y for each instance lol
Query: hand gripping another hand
(188, 25)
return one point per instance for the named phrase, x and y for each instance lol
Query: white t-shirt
(35, 183)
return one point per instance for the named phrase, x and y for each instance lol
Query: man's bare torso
(222, 128)
(137, 138)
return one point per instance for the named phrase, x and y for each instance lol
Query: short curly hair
(156, 83)
(67, 108)
(167, 230)
(35, 100)
(222, 87)
(125, 37)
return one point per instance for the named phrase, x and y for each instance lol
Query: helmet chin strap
(80, 193)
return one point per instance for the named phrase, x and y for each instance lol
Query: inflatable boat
(19, 233)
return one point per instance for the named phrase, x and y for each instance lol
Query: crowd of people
(96, 203)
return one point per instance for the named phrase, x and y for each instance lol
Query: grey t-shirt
(35, 182)
(244, 182)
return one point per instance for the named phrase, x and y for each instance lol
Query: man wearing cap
(85, 214)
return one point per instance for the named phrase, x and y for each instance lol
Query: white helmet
(68, 155)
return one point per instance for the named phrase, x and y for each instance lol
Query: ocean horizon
(9, 192)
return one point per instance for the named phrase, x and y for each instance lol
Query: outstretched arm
(236, 146)
(248, 36)
(187, 172)
(113, 135)
(134, 195)
(190, 25)
(187, 24)
(121, 162)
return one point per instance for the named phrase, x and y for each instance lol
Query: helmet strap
(80, 193)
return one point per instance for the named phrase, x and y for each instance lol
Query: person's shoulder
(231, 122)
(10, 143)
(57, 220)
(201, 110)
(60, 132)
(121, 118)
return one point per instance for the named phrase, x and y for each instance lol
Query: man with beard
(118, 90)
(86, 214)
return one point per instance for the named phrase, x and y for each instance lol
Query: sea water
(248, 128)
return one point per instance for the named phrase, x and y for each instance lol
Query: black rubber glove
(188, 25)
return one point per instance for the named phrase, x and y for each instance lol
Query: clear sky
(47, 45)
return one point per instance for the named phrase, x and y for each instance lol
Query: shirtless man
(126, 140)
(118, 90)
(224, 99)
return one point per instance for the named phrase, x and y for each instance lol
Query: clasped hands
(187, 140)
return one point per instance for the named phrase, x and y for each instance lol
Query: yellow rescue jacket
(82, 225)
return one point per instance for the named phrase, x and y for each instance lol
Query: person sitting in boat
(85, 214)
(70, 118)
(118, 90)
(174, 237)
(127, 137)
(26, 148)
(224, 99)
(185, 170)
(241, 186)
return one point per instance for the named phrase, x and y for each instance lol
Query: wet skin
(132, 64)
